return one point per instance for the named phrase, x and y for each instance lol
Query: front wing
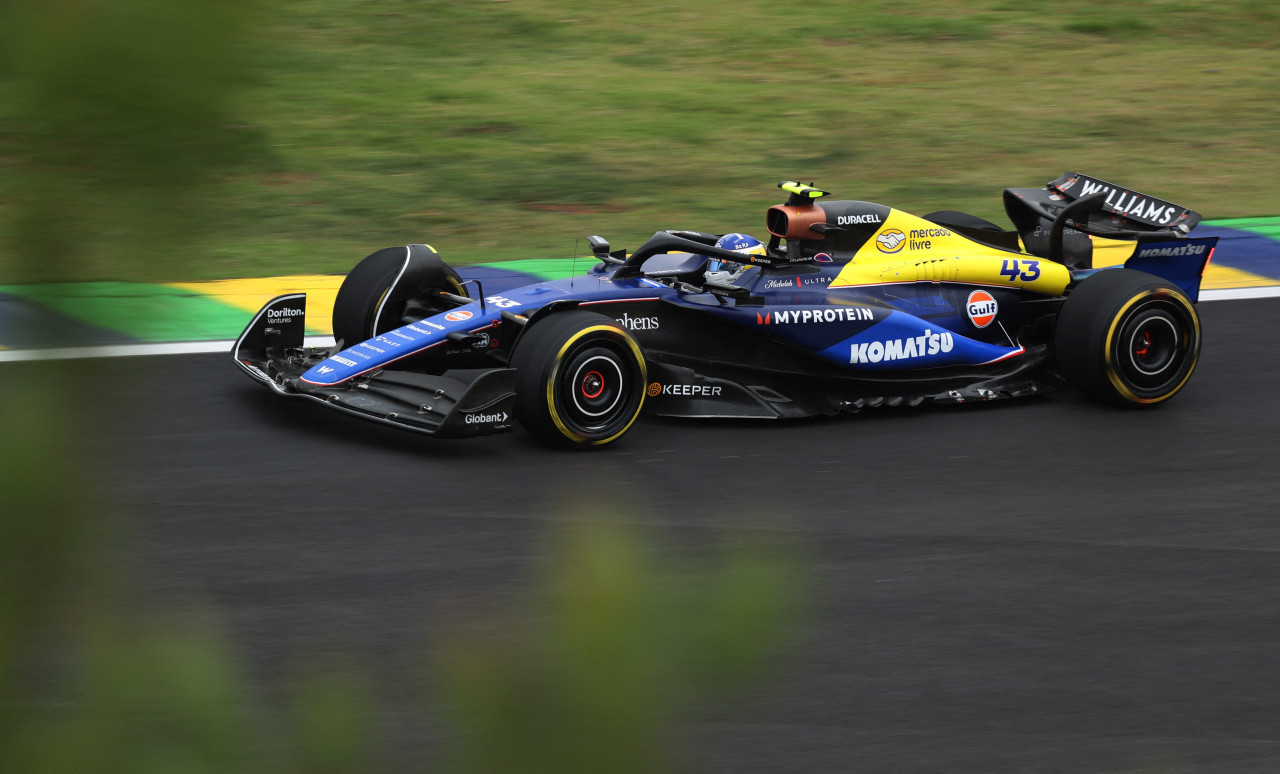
(271, 351)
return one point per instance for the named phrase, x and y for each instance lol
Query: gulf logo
(982, 308)
(890, 240)
(459, 315)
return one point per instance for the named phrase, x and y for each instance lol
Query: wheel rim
(600, 381)
(1154, 348)
(596, 388)
(593, 384)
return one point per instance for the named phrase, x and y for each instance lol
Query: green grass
(510, 129)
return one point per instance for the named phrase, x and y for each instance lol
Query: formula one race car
(851, 304)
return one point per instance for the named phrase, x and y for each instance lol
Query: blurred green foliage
(590, 678)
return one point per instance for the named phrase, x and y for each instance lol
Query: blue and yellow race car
(849, 304)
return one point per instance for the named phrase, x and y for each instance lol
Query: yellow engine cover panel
(907, 248)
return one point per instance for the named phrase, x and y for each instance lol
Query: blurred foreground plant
(115, 114)
(618, 648)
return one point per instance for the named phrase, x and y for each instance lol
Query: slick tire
(1128, 338)
(363, 290)
(580, 379)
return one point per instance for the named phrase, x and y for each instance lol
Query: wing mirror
(599, 246)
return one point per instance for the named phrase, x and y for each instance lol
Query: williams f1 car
(851, 304)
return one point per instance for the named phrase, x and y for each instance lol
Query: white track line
(137, 350)
(197, 347)
(1239, 293)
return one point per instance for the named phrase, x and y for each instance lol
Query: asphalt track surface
(1041, 585)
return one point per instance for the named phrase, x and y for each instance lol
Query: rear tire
(1128, 338)
(580, 379)
(367, 284)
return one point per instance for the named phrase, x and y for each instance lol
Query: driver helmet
(738, 242)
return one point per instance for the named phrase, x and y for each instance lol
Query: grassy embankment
(509, 129)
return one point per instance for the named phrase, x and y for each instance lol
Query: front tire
(1128, 338)
(357, 315)
(580, 379)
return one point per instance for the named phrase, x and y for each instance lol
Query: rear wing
(1057, 220)
(1126, 208)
